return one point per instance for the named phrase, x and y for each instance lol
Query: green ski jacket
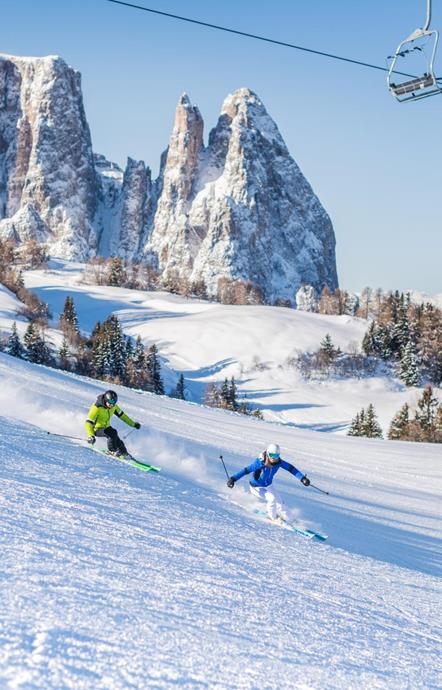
(99, 416)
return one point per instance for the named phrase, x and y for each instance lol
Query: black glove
(91, 440)
(230, 482)
(306, 481)
(137, 425)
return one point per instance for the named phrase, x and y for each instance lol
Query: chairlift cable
(257, 37)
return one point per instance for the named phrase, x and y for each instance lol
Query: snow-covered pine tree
(36, 349)
(212, 395)
(369, 341)
(426, 412)
(327, 347)
(409, 371)
(400, 331)
(64, 355)
(399, 424)
(154, 369)
(117, 346)
(327, 353)
(355, 426)
(14, 345)
(225, 393)
(115, 274)
(429, 342)
(371, 427)
(109, 351)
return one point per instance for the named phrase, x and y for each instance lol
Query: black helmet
(110, 398)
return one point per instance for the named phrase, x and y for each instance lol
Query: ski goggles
(273, 456)
(111, 403)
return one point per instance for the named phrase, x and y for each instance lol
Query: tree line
(409, 336)
(424, 424)
(107, 354)
(225, 396)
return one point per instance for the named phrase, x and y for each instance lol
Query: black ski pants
(114, 442)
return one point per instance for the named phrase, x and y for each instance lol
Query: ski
(300, 531)
(129, 460)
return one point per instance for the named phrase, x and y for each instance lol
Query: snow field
(112, 578)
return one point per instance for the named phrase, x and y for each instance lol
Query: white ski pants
(275, 504)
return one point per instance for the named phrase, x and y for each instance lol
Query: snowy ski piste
(113, 578)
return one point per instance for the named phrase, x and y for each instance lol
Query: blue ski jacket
(263, 475)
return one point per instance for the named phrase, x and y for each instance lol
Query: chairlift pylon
(416, 87)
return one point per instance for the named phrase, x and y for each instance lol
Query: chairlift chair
(417, 87)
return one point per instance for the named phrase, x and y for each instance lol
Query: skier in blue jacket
(263, 469)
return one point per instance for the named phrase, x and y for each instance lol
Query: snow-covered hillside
(113, 579)
(207, 341)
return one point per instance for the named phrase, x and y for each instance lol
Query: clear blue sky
(375, 164)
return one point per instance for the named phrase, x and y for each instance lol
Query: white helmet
(273, 451)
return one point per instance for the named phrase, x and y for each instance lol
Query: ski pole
(77, 438)
(318, 489)
(128, 433)
(225, 469)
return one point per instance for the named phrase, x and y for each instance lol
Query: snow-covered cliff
(238, 208)
(48, 182)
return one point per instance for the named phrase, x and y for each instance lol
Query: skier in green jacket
(98, 423)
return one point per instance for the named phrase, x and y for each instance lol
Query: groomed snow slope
(207, 341)
(114, 579)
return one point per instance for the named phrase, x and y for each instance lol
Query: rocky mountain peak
(237, 210)
(46, 159)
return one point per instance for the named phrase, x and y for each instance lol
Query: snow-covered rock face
(126, 203)
(240, 208)
(171, 241)
(46, 161)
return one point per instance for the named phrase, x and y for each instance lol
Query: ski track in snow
(115, 579)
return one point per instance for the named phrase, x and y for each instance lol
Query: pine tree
(129, 348)
(409, 371)
(225, 394)
(68, 321)
(154, 369)
(14, 345)
(438, 425)
(36, 349)
(355, 426)
(399, 424)
(179, 390)
(400, 332)
(115, 272)
(429, 342)
(233, 394)
(109, 351)
(369, 341)
(426, 412)
(63, 356)
(370, 426)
